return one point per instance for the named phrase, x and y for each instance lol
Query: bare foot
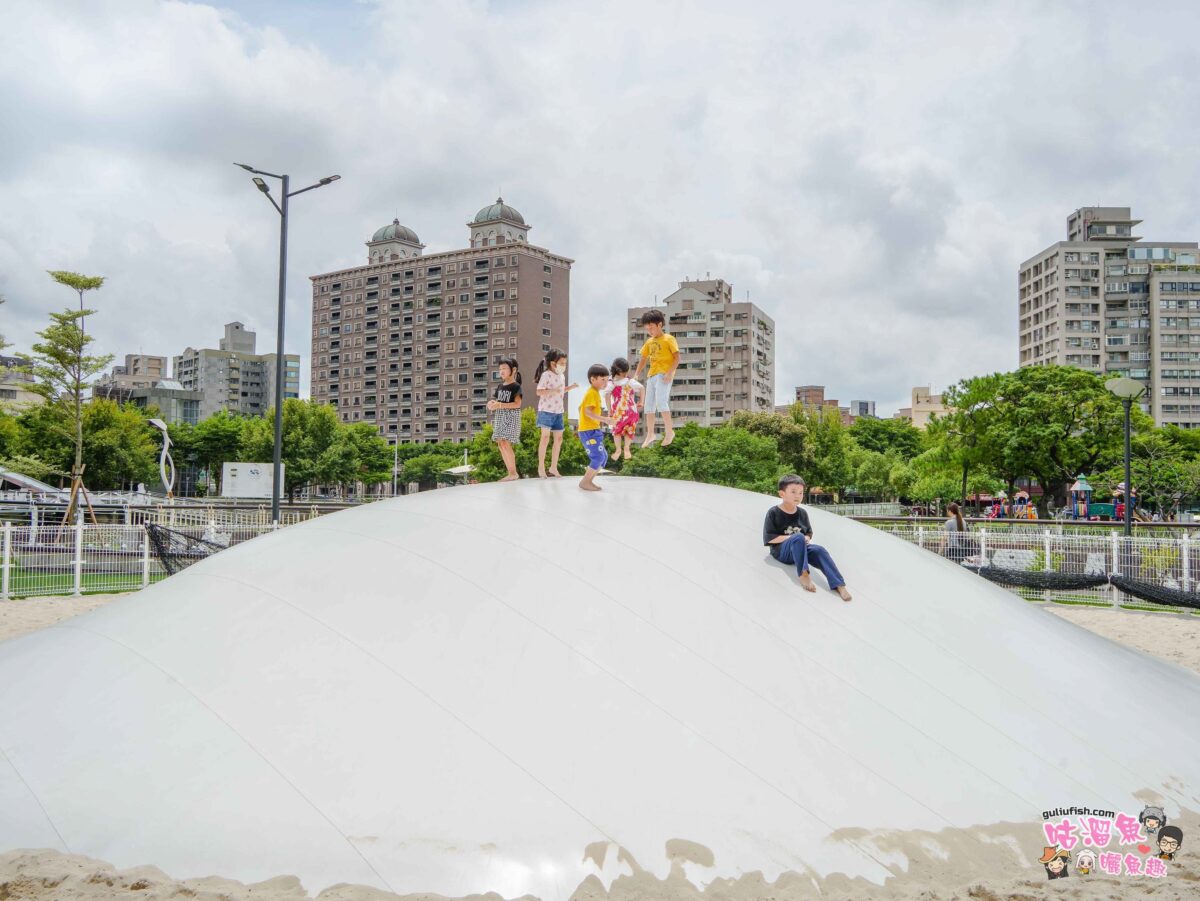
(627, 456)
(649, 440)
(806, 583)
(668, 438)
(844, 594)
(509, 478)
(542, 473)
(556, 473)
(589, 486)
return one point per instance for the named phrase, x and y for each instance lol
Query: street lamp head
(262, 185)
(1126, 388)
(244, 166)
(329, 179)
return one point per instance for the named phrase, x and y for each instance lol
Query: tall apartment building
(138, 371)
(233, 377)
(409, 342)
(726, 352)
(1106, 301)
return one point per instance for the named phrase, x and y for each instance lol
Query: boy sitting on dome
(788, 534)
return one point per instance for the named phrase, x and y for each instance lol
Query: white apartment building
(726, 352)
(233, 377)
(1107, 301)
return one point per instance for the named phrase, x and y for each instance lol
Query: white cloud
(872, 174)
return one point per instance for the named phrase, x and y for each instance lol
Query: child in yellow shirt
(661, 351)
(590, 433)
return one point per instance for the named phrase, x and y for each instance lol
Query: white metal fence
(1166, 562)
(89, 559)
(885, 508)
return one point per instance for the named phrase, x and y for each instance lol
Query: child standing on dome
(624, 393)
(590, 419)
(551, 391)
(506, 425)
(661, 352)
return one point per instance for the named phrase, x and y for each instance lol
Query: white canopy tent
(472, 690)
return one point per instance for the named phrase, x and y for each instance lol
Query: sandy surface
(942, 866)
(30, 614)
(1171, 636)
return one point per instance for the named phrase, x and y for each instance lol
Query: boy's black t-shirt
(508, 392)
(780, 523)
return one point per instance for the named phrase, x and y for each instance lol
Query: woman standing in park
(956, 534)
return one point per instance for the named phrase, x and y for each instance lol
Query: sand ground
(943, 876)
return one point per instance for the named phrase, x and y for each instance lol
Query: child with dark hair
(590, 419)
(661, 352)
(788, 534)
(552, 388)
(506, 424)
(624, 393)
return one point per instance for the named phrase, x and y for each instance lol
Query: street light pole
(277, 460)
(1128, 391)
(280, 369)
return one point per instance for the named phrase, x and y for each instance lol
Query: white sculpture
(492, 688)
(166, 466)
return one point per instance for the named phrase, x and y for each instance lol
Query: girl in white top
(552, 388)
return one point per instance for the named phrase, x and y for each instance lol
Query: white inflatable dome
(495, 688)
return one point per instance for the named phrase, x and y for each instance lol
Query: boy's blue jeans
(804, 554)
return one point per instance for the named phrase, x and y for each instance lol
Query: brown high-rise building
(409, 342)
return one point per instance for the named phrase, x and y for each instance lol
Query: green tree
(1158, 468)
(120, 448)
(831, 444)
(788, 431)
(62, 367)
(373, 455)
(428, 469)
(734, 457)
(883, 435)
(214, 442)
(1056, 422)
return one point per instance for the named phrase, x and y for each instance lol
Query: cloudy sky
(871, 173)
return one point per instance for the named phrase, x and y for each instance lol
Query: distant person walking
(956, 537)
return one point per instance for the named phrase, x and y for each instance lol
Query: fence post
(921, 537)
(145, 557)
(1116, 566)
(78, 558)
(1046, 549)
(6, 561)
(983, 558)
(1186, 548)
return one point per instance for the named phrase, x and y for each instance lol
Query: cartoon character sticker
(1055, 860)
(1152, 819)
(1170, 840)
(1085, 862)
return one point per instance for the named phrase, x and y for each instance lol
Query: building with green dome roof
(408, 342)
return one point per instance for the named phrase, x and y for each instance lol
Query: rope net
(1055, 581)
(178, 550)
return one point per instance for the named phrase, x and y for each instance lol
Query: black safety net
(177, 550)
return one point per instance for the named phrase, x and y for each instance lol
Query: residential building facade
(233, 376)
(173, 402)
(138, 371)
(16, 384)
(925, 405)
(409, 342)
(726, 352)
(1107, 301)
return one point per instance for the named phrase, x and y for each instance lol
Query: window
(546, 334)
(546, 285)
(546, 316)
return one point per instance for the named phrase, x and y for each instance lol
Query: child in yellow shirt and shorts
(661, 351)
